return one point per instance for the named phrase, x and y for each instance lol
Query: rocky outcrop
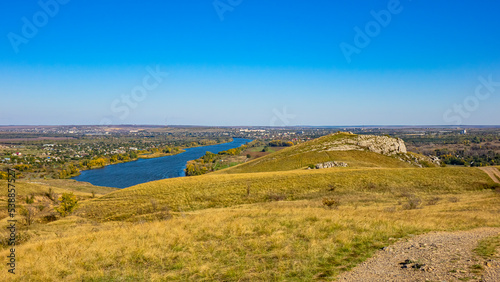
(331, 164)
(379, 144)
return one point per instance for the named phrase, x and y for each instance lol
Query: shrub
(276, 197)
(492, 186)
(413, 202)
(28, 213)
(331, 203)
(154, 204)
(50, 195)
(30, 199)
(49, 218)
(427, 164)
(68, 204)
(331, 187)
(432, 201)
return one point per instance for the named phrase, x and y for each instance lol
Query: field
(216, 191)
(293, 225)
(270, 240)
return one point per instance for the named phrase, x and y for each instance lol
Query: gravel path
(437, 256)
(492, 172)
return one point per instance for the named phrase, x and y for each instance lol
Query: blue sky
(241, 62)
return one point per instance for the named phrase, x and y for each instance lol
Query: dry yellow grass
(211, 191)
(298, 240)
(42, 206)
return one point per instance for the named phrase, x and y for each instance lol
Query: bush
(432, 201)
(427, 164)
(50, 194)
(30, 199)
(413, 202)
(331, 203)
(28, 213)
(276, 197)
(492, 186)
(68, 204)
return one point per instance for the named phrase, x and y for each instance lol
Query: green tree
(68, 204)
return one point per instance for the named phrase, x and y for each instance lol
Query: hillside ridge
(357, 151)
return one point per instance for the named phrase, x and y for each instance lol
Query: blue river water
(144, 170)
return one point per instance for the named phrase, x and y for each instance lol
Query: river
(144, 170)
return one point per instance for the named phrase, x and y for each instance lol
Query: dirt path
(492, 172)
(437, 256)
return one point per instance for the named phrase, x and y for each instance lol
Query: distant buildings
(252, 130)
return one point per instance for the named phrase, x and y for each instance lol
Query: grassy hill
(270, 239)
(216, 191)
(318, 151)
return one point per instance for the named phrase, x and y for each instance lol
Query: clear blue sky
(242, 62)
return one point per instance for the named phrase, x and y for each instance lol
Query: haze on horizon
(250, 62)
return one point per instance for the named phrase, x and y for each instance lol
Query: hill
(357, 151)
(153, 199)
(133, 234)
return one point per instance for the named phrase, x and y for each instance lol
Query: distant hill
(358, 151)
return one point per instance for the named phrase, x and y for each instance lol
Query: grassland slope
(217, 191)
(273, 241)
(358, 151)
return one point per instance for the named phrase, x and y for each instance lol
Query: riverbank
(142, 156)
(149, 169)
